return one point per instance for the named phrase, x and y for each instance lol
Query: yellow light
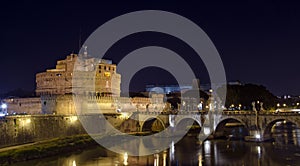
(284, 105)
(107, 74)
(28, 121)
(164, 159)
(200, 160)
(297, 104)
(124, 115)
(278, 105)
(125, 158)
(73, 119)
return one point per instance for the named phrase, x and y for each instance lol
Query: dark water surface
(284, 150)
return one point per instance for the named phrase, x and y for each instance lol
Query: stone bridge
(260, 123)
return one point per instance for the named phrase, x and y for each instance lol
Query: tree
(247, 93)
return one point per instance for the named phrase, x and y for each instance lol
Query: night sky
(259, 42)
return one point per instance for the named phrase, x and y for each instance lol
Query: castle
(94, 80)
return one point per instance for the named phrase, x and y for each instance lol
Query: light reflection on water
(285, 150)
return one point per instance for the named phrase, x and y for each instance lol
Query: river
(284, 150)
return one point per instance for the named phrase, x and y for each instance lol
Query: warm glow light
(125, 158)
(74, 163)
(284, 105)
(124, 115)
(156, 159)
(107, 74)
(28, 121)
(73, 119)
(297, 104)
(200, 160)
(164, 159)
(278, 105)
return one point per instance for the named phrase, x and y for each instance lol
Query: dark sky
(259, 42)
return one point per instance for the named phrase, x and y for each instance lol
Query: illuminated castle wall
(93, 81)
(97, 76)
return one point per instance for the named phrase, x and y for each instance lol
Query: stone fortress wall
(65, 104)
(31, 128)
(23, 105)
(21, 129)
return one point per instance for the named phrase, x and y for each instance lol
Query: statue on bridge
(261, 106)
(253, 106)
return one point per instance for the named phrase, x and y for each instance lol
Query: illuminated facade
(96, 85)
(23, 105)
(93, 77)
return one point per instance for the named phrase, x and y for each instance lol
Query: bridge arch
(148, 123)
(268, 128)
(180, 118)
(187, 124)
(222, 129)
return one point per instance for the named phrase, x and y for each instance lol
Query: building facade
(80, 74)
(24, 105)
(83, 83)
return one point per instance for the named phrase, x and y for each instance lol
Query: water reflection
(125, 159)
(284, 150)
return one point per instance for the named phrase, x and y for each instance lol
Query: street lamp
(4, 106)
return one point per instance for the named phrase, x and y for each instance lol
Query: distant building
(166, 89)
(234, 83)
(98, 76)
